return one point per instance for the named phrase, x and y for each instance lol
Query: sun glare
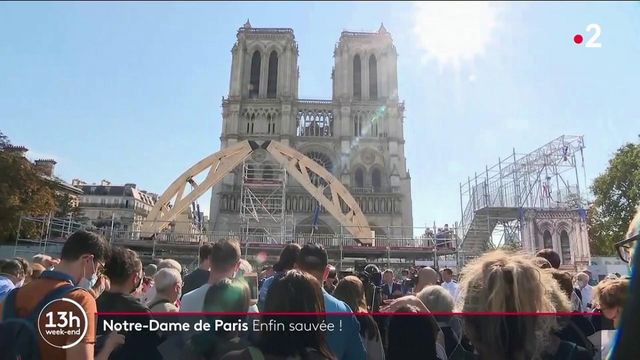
(454, 32)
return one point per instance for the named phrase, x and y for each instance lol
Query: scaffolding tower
(496, 199)
(263, 205)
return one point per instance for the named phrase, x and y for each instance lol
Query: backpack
(19, 336)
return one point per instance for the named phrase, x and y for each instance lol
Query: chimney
(130, 185)
(105, 182)
(19, 150)
(45, 166)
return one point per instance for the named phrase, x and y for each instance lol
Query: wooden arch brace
(297, 164)
(218, 165)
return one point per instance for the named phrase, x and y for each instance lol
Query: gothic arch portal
(333, 196)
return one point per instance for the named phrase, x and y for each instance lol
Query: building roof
(119, 190)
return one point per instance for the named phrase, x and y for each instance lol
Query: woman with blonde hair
(351, 290)
(505, 282)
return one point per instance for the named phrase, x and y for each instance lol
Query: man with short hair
(551, 256)
(447, 282)
(224, 261)
(168, 283)
(83, 255)
(390, 289)
(586, 290)
(11, 276)
(426, 276)
(124, 270)
(199, 276)
(345, 344)
(150, 292)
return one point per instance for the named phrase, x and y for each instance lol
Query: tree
(4, 141)
(617, 195)
(22, 192)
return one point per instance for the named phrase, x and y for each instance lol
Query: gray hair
(436, 298)
(169, 263)
(166, 278)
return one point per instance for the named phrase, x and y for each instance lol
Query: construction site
(524, 201)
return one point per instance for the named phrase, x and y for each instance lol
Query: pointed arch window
(373, 78)
(254, 80)
(357, 78)
(359, 178)
(546, 240)
(376, 180)
(272, 81)
(565, 247)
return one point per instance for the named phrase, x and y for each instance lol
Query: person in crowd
(224, 260)
(610, 296)
(426, 276)
(45, 260)
(145, 287)
(586, 290)
(11, 276)
(36, 271)
(576, 328)
(628, 346)
(551, 256)
(332, 280)
(412, 336)
(26, 269)
(542, 263)
(351, 290)
(226, 296)
(501, 281)
(297, 292)
(345, 345)
(150, 293)
(168, 283)
(390, 289)
(102, 284)
(199, 276)
(287, 260)
(82, 257)
(124, 270)
(150, 270)
(447, 282)
(440, 301)
(405, 281)
(267, 272)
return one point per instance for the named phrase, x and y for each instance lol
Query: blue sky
(131, 92)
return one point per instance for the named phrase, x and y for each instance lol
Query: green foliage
(617, 195)
(22, 192)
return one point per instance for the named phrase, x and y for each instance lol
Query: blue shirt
(345, 344)
(6, 286)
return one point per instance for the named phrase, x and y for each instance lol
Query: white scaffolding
(496, 198)
(263, 204)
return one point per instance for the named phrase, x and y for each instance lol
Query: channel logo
(62, 323)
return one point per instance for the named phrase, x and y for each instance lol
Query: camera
(371, 278)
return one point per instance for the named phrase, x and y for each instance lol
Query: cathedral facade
(357, 135)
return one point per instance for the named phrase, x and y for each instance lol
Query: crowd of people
(423, 314)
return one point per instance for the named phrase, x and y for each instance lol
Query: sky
(131, 92)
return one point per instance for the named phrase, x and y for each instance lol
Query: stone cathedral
(357, 135)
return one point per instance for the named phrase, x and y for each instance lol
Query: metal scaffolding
(36, 234)
(263, 204)
(496, 198)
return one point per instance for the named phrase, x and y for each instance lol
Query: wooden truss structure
(325, 187)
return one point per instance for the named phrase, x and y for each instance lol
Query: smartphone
(252, 281)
